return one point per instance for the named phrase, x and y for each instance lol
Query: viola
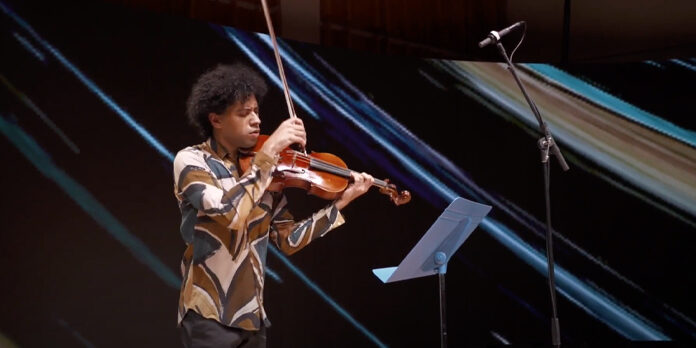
(321, 174)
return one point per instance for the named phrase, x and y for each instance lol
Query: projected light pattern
(382, 129)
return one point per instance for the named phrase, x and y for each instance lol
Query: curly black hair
(219, 88)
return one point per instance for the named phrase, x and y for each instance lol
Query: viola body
(319, 173)
(294, 172)
(294, 169)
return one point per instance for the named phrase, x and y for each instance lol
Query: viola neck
(342, 172)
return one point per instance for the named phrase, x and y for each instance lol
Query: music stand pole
(441, 262)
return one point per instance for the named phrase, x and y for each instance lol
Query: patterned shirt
(226, 222)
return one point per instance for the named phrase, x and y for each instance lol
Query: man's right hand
(291, 131)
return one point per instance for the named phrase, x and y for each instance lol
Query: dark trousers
(199, 332)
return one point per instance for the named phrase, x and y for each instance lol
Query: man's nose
(255, 120)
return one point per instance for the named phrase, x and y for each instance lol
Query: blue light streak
(231, 32)
(29, 47)
(594, 303)
(655, 64)
(684, 64)
(275, 276)
(78, 336)
(325, 296)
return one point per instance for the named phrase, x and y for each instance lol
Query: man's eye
(247, 112)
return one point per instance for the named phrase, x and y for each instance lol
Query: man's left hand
(361, 184)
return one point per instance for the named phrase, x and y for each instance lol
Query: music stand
(434, 249)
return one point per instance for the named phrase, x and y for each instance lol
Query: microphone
(495, 36)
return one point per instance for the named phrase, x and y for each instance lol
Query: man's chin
(248, 146)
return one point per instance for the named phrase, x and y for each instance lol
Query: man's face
(240, 123)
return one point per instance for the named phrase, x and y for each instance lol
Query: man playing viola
(228, 216)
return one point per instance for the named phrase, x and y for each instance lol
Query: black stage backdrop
(92, 105)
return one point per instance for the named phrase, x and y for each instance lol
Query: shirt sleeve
(290, 236)
(197, 184)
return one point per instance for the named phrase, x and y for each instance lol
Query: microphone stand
(547, 146)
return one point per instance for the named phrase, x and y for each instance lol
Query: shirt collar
(219, 149)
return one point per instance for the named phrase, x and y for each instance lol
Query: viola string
(328, 167)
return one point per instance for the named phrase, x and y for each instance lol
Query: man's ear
(215, 120)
